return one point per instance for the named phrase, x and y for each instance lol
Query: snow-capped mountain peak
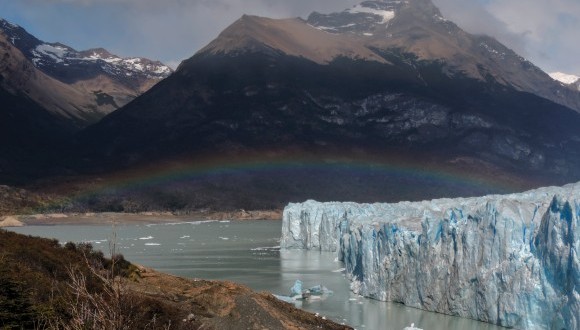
(7, 25)
(377, 18)
(52, 52)
(373, 9)
(129, 64)
(53, 58)
(361, 19)
(80, 86)
(49, 54)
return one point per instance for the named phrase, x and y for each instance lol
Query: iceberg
(412, 327)
(296, 289)
(510, 260)
(317, 292)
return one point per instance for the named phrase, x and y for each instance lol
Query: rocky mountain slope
(413, 27)
(50, 91)
(509, 260)
(79, 86)
(29, 133)
(382, 79)
(417, 27)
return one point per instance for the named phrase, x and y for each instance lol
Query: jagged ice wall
(510, 260)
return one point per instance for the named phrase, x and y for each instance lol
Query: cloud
(473, 17)
(548, 27)
(544, 31)
(169, 30)
(275, 7)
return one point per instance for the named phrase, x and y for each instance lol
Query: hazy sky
(543, 31)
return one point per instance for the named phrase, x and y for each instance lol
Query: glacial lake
(248, 252)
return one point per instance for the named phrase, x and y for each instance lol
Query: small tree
(100, 299)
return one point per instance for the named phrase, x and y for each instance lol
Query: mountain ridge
(269, 90)
(413, 26)
(273, 90)
(87, 84)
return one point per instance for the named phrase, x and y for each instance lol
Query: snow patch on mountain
(55, 52)
(362, 19)
(493, 52)
(8, 25)
(47, 54)
(564, 78)
(52, 57)
(134, 64)
(387, 15)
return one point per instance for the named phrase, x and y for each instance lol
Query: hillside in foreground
(48, 286)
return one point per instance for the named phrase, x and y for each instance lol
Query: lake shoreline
(110, 218)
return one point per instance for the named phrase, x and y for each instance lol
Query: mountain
(378, 83)
(29, 133)
(50, 91)
(414, 27)
(569, 80)
(80, 86)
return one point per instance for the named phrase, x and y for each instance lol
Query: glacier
(511, 260)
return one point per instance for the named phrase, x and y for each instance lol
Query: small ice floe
(225, 221)
(284, 298)
(146, 238)
(412, 327)
(339, 270)
(97, 241)
(180, 223)
(185, 236)
(297, 294)
(318, 292)
(266, 248)
(152, 244)
(224, 238)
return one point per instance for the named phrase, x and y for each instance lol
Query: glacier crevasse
(510, 260)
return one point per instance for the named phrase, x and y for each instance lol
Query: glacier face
(510, 260)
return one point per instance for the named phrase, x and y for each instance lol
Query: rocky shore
(50, 219)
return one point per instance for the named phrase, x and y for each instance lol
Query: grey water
(248, 252)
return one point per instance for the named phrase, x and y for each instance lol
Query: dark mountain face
(50, 91)
(419, 28)
(30, 135)
(257, 101)
(406, 81)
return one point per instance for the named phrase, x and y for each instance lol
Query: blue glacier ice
(510, 260)
(296, 289)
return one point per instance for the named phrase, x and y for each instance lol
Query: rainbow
(183, 171)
